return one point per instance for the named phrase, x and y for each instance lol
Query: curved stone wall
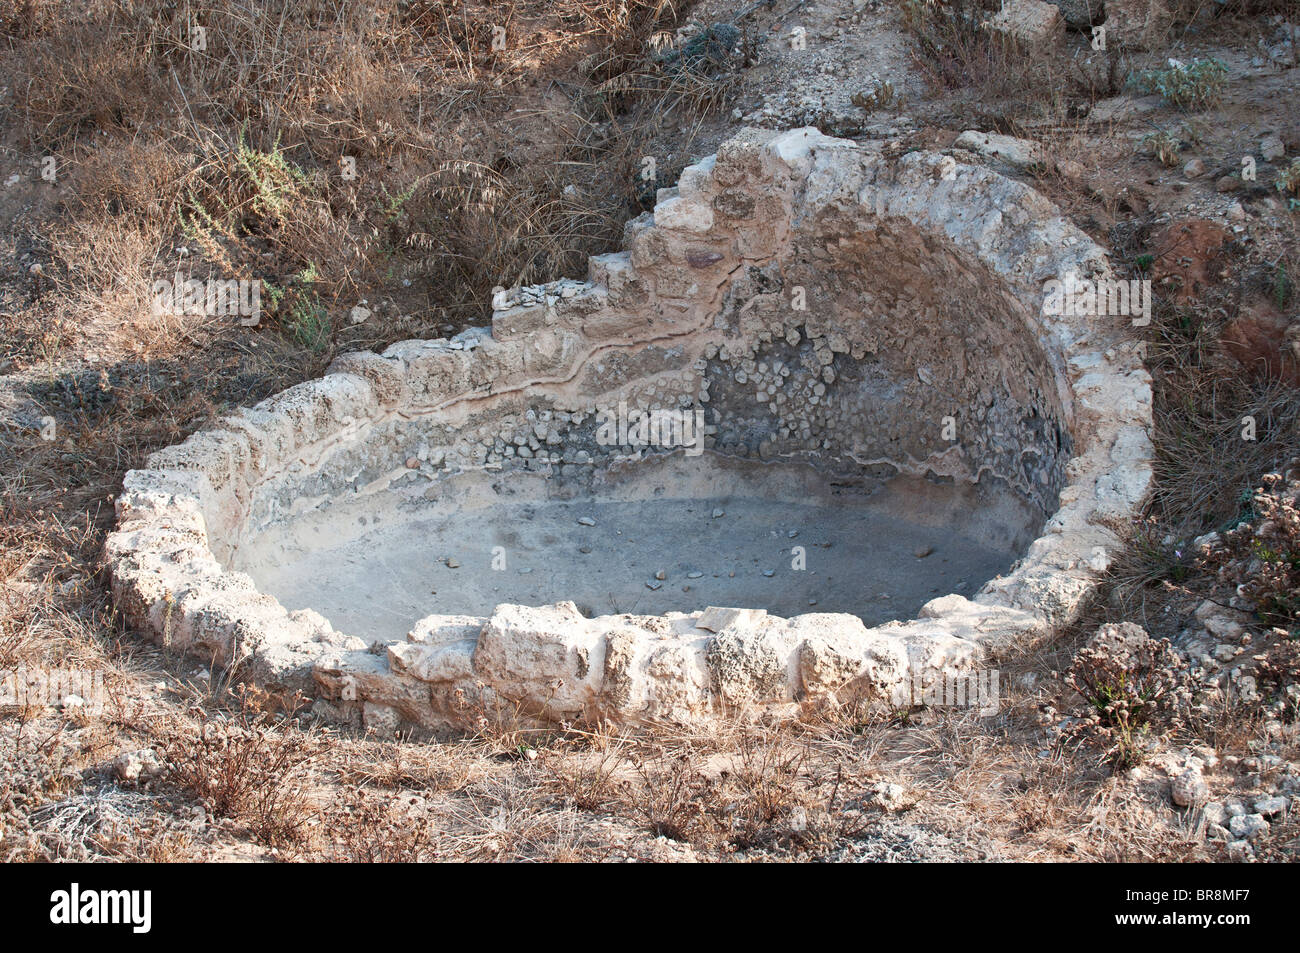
(818, 303)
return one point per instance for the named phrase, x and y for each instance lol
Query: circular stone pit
(818, 383)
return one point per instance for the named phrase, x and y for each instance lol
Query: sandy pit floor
(668, 535)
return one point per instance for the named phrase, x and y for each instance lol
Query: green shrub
(1193, 85)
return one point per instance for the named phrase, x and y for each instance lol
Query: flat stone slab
(716, 619)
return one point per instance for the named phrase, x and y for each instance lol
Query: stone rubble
(1190, 787)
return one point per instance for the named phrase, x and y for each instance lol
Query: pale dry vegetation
(480, 166)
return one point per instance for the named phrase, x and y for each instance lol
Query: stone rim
(177, 518)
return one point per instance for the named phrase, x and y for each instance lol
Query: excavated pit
(721, 532)
(818, 384)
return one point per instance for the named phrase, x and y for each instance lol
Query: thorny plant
(1260, 558)
(249, 769)
(1130, 681)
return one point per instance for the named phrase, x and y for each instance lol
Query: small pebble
(1247, 826)
(1269, 806)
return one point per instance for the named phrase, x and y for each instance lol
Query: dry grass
(591, 779)
(1194, 9)
(374, 829)
(995, 78)
(476, 167)
(402, 767)
(248, 769)
(237, 148)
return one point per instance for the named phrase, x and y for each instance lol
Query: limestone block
(1033, 24)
